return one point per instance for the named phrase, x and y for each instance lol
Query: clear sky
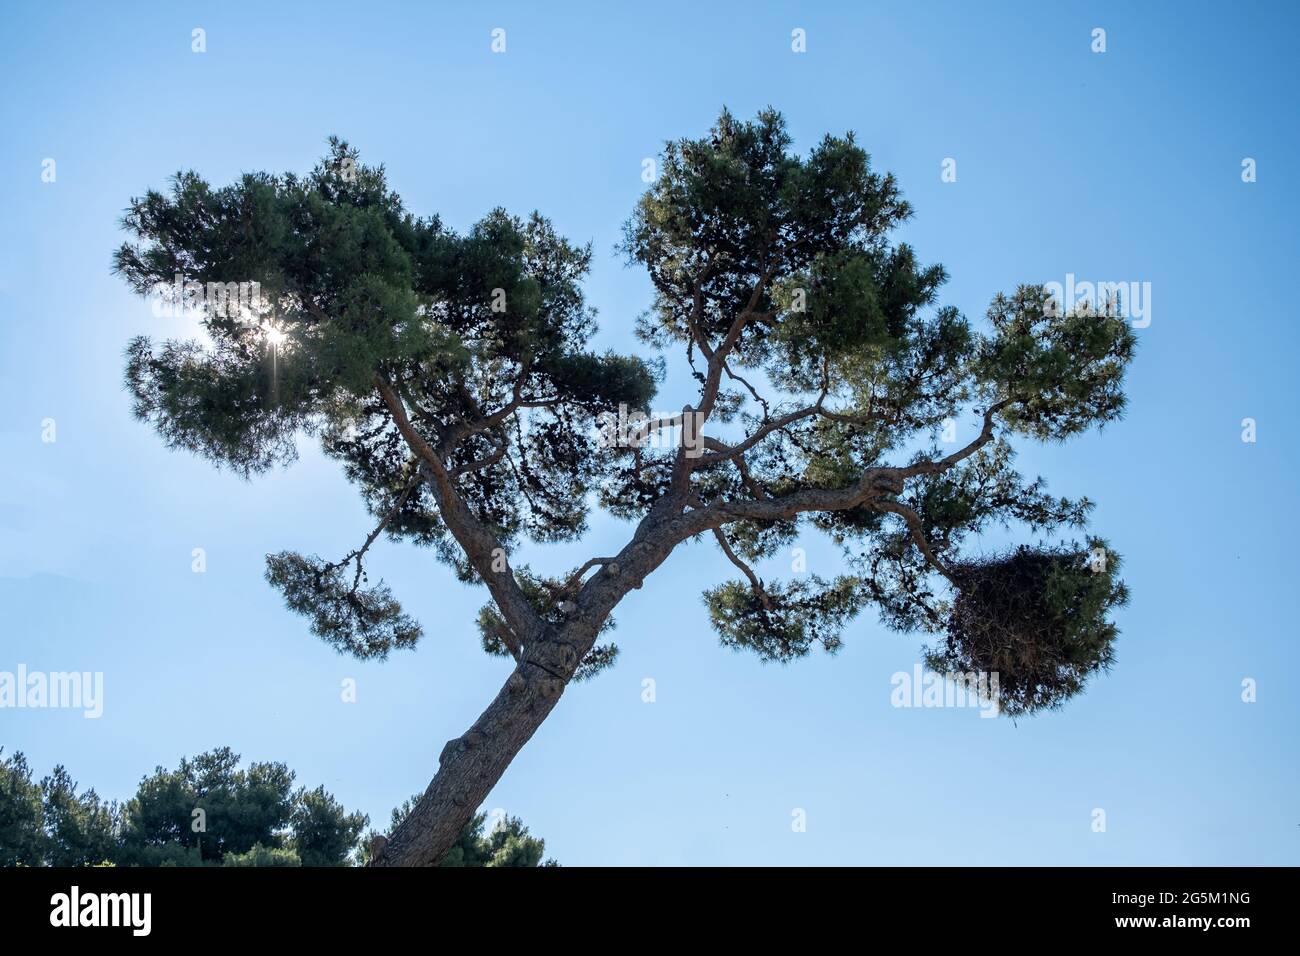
(1117, 166)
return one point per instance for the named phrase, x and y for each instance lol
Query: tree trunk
(471, 765)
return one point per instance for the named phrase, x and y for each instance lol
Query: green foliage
(1065, 369)
(259, 855)
(509, 845)
(249, 817)
(364, 622)
(359, 288)
(81, 829)
(782, 622)
(839, 360)
(240, 807)
(737, 205)
(843, 316)
(252, 817)
(1036, 618)
(599, 658)
(22, 820)
(324, 834)
(181, 388)
(156, 821)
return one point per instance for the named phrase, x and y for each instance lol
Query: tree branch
(576, 576)
(725, 452)
(359, 553)
(918, 534)
(479, 544)
(943, 464)
(754, 581)
(481, 463)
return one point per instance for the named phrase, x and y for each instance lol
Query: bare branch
(725, 452)
(576, 576)
(486, 420)
(479, 544)
(943, 464)
(360, 553)
(754, 581)
(757, 490)
(752, 391)
(918, 534)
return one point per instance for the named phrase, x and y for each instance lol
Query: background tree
(324, 834)
(507, 844)
(80, 829)
(22, 816)
(251, 817)
(449, 375)
(239, 808)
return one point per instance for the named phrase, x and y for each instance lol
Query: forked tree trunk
(471, 765)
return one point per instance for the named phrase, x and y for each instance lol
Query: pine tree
(81, 828)
(209, 811)
(324, 834)
(22, 814)
(450, 376)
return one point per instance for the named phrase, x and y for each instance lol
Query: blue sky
(1115, 166)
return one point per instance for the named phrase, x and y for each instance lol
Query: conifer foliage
(451, 376)
(209, 811)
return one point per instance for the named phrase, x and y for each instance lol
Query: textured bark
(471, 764)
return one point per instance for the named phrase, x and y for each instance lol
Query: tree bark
(471, 765)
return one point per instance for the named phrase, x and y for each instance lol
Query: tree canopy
(209, 811)
(450, 373)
